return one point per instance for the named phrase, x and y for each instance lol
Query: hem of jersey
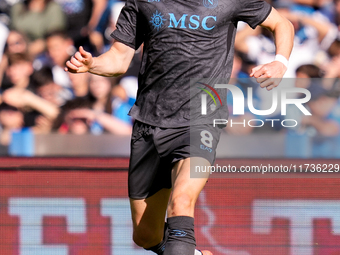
(189, 124)
(114, 36)
(155, 125)
(265, 17)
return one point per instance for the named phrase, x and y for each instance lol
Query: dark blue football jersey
(183, 40)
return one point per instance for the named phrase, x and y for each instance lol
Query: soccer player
(182, 40)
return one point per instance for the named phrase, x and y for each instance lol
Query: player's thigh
(150, 209)
(148, 217)
(185, 188)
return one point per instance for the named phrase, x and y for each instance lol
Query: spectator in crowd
(23, 107)
(325, 120)
(324, 104)
(314, 36)
(36, 18)
(311, 36)
(59, 48)
(309, 71)
(46, 88)
(325, 109)
(100, 89)
(334, 49)
(322, 127)
(324, 8)
(102, 39)
(82, 18)
(16, 42)
(67, 123)
(306, 74)
(29, 102)
(123, 98)
(100, 93)
(38, 113)
(19, 71)
(78, 117)
(10, 119)
(79, 85)
(332, 68)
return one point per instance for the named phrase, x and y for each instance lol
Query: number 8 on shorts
(207, 138)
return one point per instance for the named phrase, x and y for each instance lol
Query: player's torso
(182, 40)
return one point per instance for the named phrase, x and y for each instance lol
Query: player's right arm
(114, 62)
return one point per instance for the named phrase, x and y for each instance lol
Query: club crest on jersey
(210, 3)
(157, 20)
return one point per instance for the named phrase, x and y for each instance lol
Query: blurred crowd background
(37, 37)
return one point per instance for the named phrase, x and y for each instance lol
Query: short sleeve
(253, 12)
(128, 27)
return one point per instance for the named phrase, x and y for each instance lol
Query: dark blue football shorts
(155, 150)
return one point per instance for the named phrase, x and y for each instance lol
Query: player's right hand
(80, 62)
(269, 75)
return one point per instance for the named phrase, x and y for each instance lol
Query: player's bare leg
(148, 220)
(148, 214)
(205, 252)
(181, 239)
(185, 189)
(148, 217)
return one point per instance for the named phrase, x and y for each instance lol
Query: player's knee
(139, 239)
(146, 238)
(181, 204)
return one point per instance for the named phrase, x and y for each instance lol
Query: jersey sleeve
(253, 12)
(128, 28)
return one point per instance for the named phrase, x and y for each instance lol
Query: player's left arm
(269, 75)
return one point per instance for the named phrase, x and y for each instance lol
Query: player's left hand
(269, 75)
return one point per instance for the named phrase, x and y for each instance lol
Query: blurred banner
(85, 211)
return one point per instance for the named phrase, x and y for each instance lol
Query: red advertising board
(86, 212)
